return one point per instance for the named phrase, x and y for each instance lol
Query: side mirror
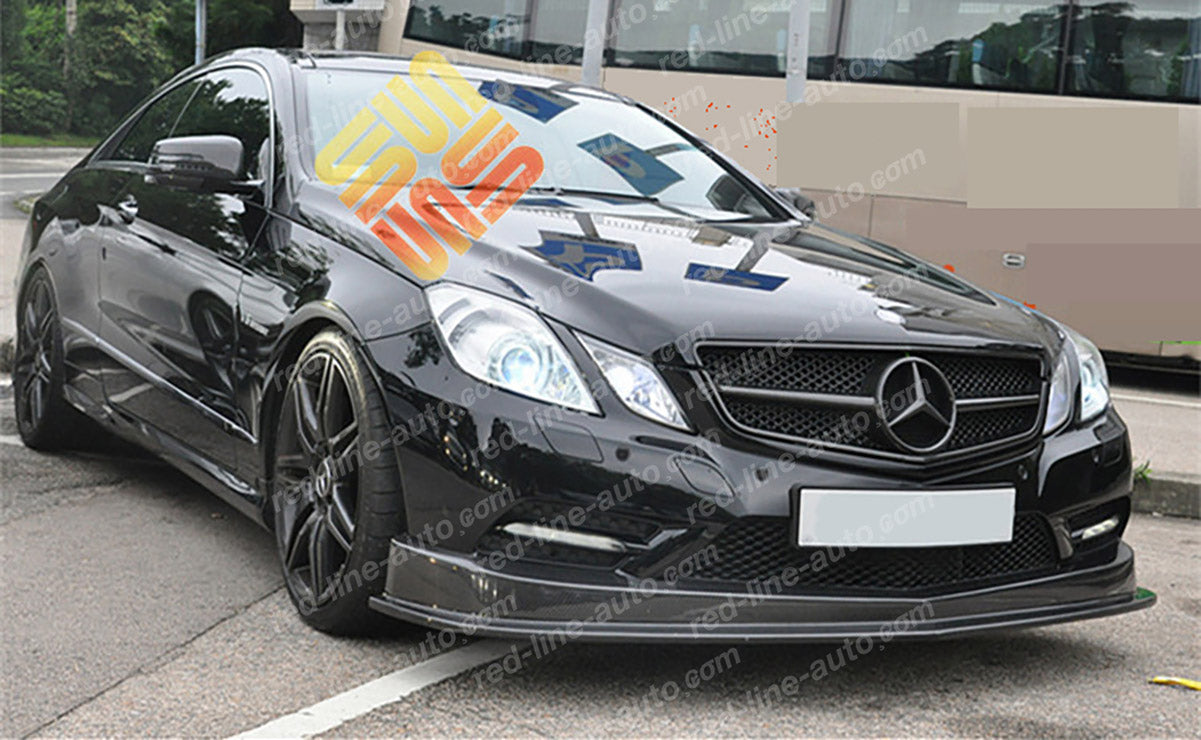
(211, 164)
(798, 200)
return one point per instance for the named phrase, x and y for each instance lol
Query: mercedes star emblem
(916, 405)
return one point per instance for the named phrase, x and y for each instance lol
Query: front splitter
(453, 592)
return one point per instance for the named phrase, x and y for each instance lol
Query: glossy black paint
(184, 310)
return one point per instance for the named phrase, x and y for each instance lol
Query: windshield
(592, 145)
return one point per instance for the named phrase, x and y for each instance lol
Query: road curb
(24, 203)
(1170, 494)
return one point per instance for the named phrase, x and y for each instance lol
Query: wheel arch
(306, 323)
(290, 346)
(36, 265)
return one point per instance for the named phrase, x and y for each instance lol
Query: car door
(84, 204)
(171, 276)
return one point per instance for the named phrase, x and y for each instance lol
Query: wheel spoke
(37, 399)
(23, 364)
(319, 556)
(299, 541)
(340, 526)
(40, 303)
(344, 447)
(46, 330)
(43, 366)
(306, 417)
(347, 436)
(27, 392)
(30, 324)
(324, 394)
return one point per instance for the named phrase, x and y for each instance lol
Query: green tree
(117, 60)
(31, 98)
(42, 41)
(12, 23)
(232, 24)
(121, 51)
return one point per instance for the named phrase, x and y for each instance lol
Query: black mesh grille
(806, 422)
(982, 377)
(848, 372)
(760, 548)
(828, 371)
(973, 428)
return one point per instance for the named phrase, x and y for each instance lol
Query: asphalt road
(135, 603)
(23, 172)
(31, 170)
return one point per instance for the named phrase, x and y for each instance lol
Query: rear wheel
(335, 507)
(45, 420)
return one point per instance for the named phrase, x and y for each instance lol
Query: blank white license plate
(842, 517)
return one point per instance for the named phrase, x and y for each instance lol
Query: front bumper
(484, 463)
(445, 591)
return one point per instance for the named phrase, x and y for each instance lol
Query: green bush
(26, 110)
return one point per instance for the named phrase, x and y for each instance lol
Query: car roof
(388, 63)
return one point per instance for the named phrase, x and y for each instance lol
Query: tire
(45, 420)
(335, 509)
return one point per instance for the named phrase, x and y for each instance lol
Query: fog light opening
(569, 538)
(1102, 527)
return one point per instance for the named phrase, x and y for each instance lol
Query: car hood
(645, 278)
(647, 282)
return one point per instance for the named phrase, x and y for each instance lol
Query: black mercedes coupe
(516, 356)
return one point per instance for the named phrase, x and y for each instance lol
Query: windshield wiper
(550, 189)
(593, 193)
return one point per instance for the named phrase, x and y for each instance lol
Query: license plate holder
(832, 517)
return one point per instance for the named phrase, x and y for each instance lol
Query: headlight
(636, 383)
(508, 345)
(1094, 382)
(1094, 379)
(1059, 407)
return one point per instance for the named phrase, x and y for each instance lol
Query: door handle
(128, 209)
(1013, 260)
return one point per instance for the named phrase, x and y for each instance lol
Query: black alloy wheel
(335, 509)
(44, 419)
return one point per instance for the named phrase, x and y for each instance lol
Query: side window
(1144, 49)
(744, 36)
(232, 102)
(492, 27)
(949, 43)
(558, 31)
(155, 123)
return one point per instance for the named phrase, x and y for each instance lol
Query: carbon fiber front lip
(452, 592)
(503, 628)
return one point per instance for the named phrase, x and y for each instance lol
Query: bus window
(744, 36)
(1144, 49)
(492, 28)
(1013, 46)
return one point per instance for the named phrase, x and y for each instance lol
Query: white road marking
(336, 710)
(1157, 401)
(31, 175)
(11, 439)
